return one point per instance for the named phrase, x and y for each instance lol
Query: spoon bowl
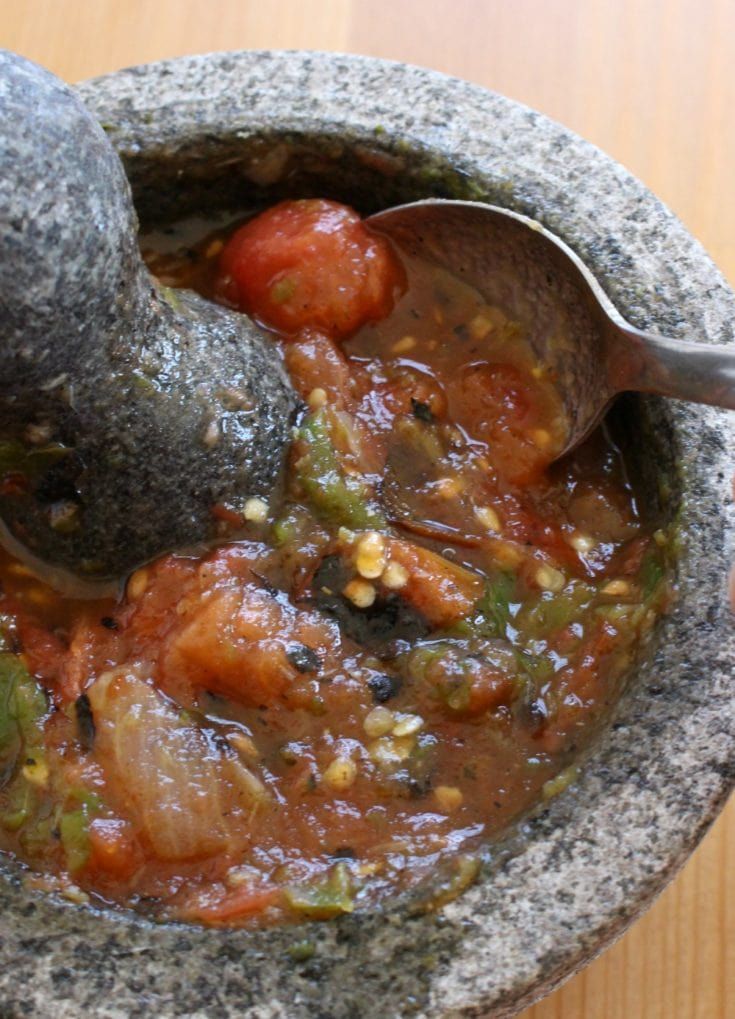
(586, 346)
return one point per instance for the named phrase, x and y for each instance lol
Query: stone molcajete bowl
(218, 131)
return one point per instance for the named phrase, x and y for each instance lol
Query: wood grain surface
(650, 81)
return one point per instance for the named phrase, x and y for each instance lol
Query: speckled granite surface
(595, 857)
(165, 405)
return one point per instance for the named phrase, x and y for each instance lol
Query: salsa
(363, 684)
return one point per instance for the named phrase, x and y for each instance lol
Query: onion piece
(184, 788)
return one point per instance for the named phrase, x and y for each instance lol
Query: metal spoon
(592, 352)
(126, 410)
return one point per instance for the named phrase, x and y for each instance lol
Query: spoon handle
(698, 372)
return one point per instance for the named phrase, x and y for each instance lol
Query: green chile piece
(22, 707)
(74, 832)
(338, 499)
(324, 899)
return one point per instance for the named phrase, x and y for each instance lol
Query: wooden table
(650, 81)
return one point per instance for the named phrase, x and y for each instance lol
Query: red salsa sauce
(363, 685)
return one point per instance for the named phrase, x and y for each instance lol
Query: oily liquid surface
(376, 681)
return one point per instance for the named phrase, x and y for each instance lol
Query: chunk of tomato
(316, 362)
(310, 263)
(114, 850)
(496, 404)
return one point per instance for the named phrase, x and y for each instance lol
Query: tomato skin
(442, 591)
(235, 904)
(310, 263)
(314, 361)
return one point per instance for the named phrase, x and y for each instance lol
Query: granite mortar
(211, 131)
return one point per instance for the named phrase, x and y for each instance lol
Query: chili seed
(244, 745)
(72, 893)
(388, 751)
(407, 725)
(370, 558)
(449, 488)
(137, 584)
(507, 555)
(394, 576)
(582, 542)
(360, 593)
(317, 398)
(36, 772)
(560, 782)
(403, 345)
(236, 877)
(255, 511)
(541, 437)
(378, 722)
(448, 798)
(341, 773)
(480, 327)
(550, 579)
(488, 518)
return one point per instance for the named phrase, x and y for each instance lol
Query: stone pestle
(127, 411)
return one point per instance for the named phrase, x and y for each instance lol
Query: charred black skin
(385, 628)
(154, 405)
